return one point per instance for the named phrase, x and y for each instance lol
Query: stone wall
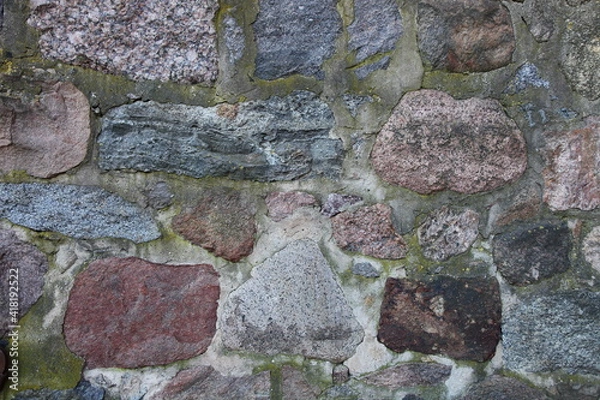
(353, 199)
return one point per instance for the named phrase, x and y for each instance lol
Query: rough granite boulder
(410, 375)
(433, 142)
(502, 388)
(130, 313)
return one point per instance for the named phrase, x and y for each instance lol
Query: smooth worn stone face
(572, 173)
(45, 137)
(292, 304)
(143, 40)
(222, 222)
(553, 331)
(410, 375)
(533, 252)
(295, 38)
(282, 138)
(129, 313)
(433, 142)
(22, 270)
(502, 388)
(465, 35)
(283, 204)
(369, 230)
(458, 318)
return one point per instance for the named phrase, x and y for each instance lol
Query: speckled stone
(337, 202)
(281, 205)
(591, 248)
(503, 388)
(410, 375)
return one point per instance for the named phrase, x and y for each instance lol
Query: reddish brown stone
(283, 204)
(433, 142)
(369, 231)
(222, 223)
(459, 318)
(129, 313)
(46, 137)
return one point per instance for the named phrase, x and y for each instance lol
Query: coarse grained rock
(410, 375)
(572, 172)
(143, 40)
(47, 136)
(83, 391)
(82, 212)
(465, 35)
(295, 386)
(433, 142)
(293, 38)
(282, 138)
(369, 230)
(222, 222)
(292, 304)
(502, 388)
(337, 202)
(22, 270)
(458, 318)
(591, 248)
(283, 204)
(553, 331)
(130, 313)
(532, 252)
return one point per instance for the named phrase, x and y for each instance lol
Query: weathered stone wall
(353, 199)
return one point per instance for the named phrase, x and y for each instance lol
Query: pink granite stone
(283, 204)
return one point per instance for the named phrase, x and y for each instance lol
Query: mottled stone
(572, 173)
(465, 35)
(129, 313)
(282, 138)
(591, 248)
(47, 136)
(159, 195)
(410, 375)
(446, 233)
(281, 205)
(553, 331)
(293, 38)
(336, 203)
(433, 142)
(519, 205)
(526, 76)
(83, 391)
(82, 212)
(540, 18)
(292, 304)
(365, 269)
(234, 39)
(340, 374)
(369, 230)
(22, 270)
(144, 40)
(363, 71)
(459, 318)
(222, 222)
(295, 386)
(207, 384)
(502, 388)
(533, 252)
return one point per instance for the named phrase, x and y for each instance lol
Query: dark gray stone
(365, 269)
(353, 102)
(159, 195)
(532, 252)
(82, 212)
(501, 388)
(83, 391)
(295, 38)
(282, 138)
(363, 72)
(555, 331)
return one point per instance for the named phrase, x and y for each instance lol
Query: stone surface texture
(82, 212)
(292, 304)
(591, 248)
(295, 386)
(446, 233)
(143, 40)
(369, 230)
(46, 136)
(222, 222)
(553, 331)
(533, 252)
(465, 35)
(83, 391)
(283, 204)
(129, 313)
(572, 173)
(459, 318)
(293, 38)
(410, 375)
(282, 138)
(433, 142)
(336, 203)
(502, 388)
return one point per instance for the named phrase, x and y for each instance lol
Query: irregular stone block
(82, 212)
(458, 318)
(365, 269)
(222, 223)
(533, 252)
(292, 304)
(144, 40)
(447, 233)
(591, 248)
(293, 38)
(22, 270)
(501, 388)
(282, 138)
(83, 391)
(410, 375)
(283, 204)
(572, 173)
(553, 331)
(295, 386)
(45, 137)
(369, 230)
(336, 203)
(526, 76)
(465, 35)
(433, 142)
(130, 313)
